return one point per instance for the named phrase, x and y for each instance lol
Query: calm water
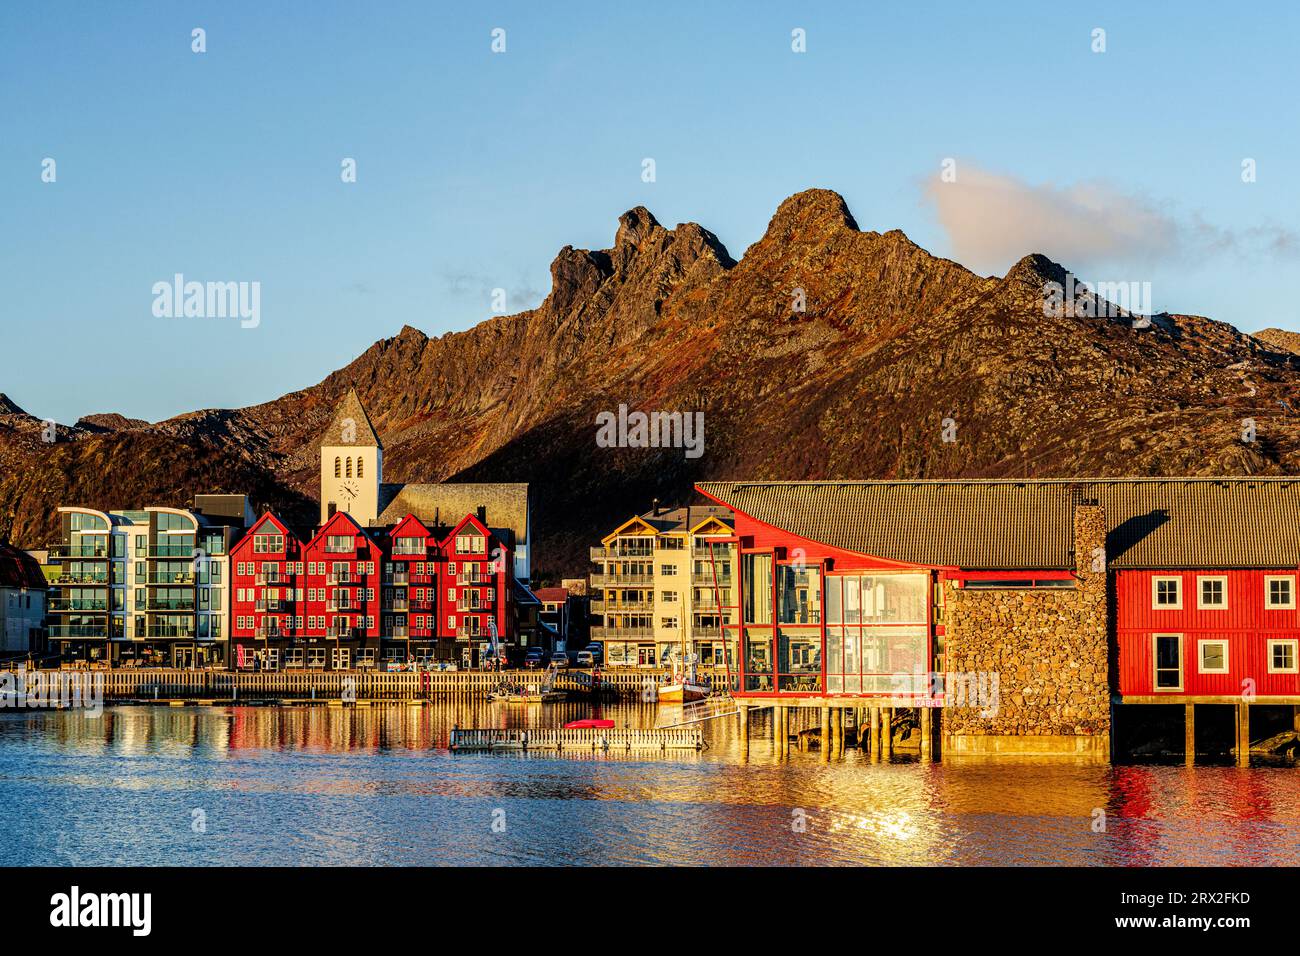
(378, 786)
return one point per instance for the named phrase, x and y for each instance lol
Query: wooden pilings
(825, 750)
(1243, 734)
(927, 741)
(1189, 734)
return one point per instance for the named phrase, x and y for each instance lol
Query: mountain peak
(813, 210)
(1037, 270)
(9, 407)
(635, 226)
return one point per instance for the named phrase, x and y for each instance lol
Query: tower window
(338, 467)
(361, 468)
(349, 467)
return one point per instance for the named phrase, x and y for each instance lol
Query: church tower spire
(351, 463)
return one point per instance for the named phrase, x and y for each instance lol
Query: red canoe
(589, 725)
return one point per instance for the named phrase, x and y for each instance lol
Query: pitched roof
(1028, 524)
(362, 433)
(684, 519)
(446, 504)
(552, 595)
(18, 569)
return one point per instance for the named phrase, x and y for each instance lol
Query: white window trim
(1200, 606)
(1268, 603)
(1295, 656)
(1200, 656)
(1182, 666)
(1155, 590)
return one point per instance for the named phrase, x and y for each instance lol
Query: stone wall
(1044, 649)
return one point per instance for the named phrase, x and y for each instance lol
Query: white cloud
(992, 220)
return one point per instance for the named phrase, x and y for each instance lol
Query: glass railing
(79, 605)
(79, 630)
(171, 577)
(78, 551)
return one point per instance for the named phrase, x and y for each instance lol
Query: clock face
(350, 489)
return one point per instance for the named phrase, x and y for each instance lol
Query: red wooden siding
(1246, 624)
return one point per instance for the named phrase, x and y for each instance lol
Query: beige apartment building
(663, 584)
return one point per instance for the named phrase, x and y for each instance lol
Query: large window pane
(758, 588)
(834, 599)
(800, 590)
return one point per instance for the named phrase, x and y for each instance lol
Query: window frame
(1295, 655)
(1155, 668)
(1200, 602)
(1156, 580)
(1268, 595)
(1200, 656)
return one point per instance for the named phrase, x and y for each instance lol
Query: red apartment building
(355, 597)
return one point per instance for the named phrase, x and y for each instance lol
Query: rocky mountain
(823, 352)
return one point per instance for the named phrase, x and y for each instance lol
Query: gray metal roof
(506, 505)
(1027, 524)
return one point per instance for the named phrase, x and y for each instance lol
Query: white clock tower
(351, 463)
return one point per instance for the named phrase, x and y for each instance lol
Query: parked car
(586, 659)
(535, 658)
(560, 659)
(597, 652)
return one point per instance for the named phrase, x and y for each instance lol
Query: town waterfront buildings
(22, 602)
(1060, 606)
(663, 582)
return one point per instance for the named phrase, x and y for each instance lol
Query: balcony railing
(705, 631)
(623, 580)
(80, 630)
(343, 577)
(465, 633)
(618, 607)
(704, 578)
(94, 579)
(177, 604)
(78, 551)
(398, 633)
(79, 605)
(264, 633)
(397, 604)
(615, 553)
(611, 633)
(273, 605)
(399, 578)
(180, 632)
(718, 551)
(271, 577)
(171, 577)
(342, 606)
(173, 551)
(336, 631)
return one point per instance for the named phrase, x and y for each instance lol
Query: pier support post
(1243, 734)
(1189, 734)
(826, 734)
(838, 731)
(927, 743)
(780, 729)
(874, 734)
(743, 712)
(887, 733)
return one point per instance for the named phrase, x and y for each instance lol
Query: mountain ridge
(824, 351)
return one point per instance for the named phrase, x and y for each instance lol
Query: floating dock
(582, 738)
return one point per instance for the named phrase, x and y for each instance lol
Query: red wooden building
(363, 597)
(1213, 633)
(476, 592)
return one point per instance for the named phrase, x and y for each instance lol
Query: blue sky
(475, 168)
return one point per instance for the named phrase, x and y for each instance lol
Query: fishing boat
(539, 692)
(590, 723)
(683, 686)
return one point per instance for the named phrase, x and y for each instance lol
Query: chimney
(654, 508)
(482, 514)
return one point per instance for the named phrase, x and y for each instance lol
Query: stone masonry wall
(1048, 648)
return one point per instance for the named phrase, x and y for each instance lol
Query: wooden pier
(585, 738)
(225, 687)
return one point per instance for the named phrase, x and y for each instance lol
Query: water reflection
(376, 785)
